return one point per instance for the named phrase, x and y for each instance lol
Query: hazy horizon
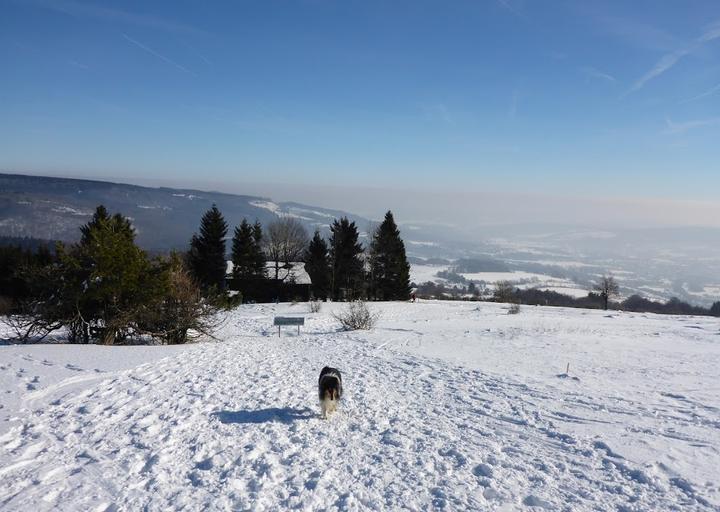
(467, 209)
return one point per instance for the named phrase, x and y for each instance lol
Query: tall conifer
(207, 250)
(346, 279)
(248, 260)
(389, 268)
(317, 266)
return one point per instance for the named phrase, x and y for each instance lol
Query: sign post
(288, 320)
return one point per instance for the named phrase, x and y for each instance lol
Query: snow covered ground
(448, 406)
(520, 279)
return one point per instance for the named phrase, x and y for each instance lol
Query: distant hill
(656, 263)
(165, 218)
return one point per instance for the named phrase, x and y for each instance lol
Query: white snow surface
(424, 273)
(447, 405)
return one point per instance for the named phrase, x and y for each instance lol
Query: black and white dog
(329, 389)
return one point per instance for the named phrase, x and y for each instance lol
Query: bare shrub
(357, 316)
(285, 243)
(514, 308)
(28, 325)
(504, 291)
(183, 314)
(315, 306)
(607, 288)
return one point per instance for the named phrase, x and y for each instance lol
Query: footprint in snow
(313, 480)
(483, 470)
(534, 501)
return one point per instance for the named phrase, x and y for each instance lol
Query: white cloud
(439, 111)
(707, 93)
(156, 54)
(681, 128)
(669, 60)
(595, 73)
(87, 10)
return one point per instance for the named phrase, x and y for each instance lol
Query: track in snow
(234, 425)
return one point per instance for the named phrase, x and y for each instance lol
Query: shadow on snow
(273, 414)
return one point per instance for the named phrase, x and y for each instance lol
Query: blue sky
(618, 99)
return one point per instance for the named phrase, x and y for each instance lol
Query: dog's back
(329, 389)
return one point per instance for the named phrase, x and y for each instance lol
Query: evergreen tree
(247, 258)
(259, 256)
(346, 280)
(100, 283)
(100, 216)
(317, 266)
(715, 309)
(207, 250)
(389, 268)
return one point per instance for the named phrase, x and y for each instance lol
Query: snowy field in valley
(525, 280)
(448, 406)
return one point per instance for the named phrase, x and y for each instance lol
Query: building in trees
(317, 266)
(389, 267)
(285, 242)
(207, 251)
(346, 264)
(607, 288)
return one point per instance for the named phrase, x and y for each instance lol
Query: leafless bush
(607, 288)
(504, 291)
(315, 306)
(514, 308)
(357, 317)
(285, 243)
(183, 314)
(27, 325)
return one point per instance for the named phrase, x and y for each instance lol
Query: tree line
(339, 268)
(602, 297)
(106, 289)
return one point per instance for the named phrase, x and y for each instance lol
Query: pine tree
(317, 266)
(207, 250)
(259, 256)
(100, 216)
(346, 279)
(389, 267)
(715, 309)
(103, 280)
(247, 258)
